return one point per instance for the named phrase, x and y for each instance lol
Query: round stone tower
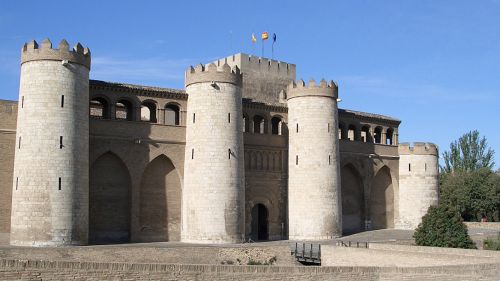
(418, 182)
(314, 203)
(51, 170)
(213, 194)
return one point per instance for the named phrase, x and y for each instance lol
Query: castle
(245, 151)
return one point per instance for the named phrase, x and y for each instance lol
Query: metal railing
(308, 253)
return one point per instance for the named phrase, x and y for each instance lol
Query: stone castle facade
(244, 151)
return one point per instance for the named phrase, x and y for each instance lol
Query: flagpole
(272, 51)
(262, 48)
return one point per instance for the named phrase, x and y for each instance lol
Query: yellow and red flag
(265, 35)
(253, 38)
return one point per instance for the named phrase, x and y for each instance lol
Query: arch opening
(277, 126)
(172, 115)
(353, 213)
(260, 223)
(351, 132)
(377, 135)
(259, 124)
(99, 108)
(389, 136)
(109, 201)
(365, 134)
(160, 202)
(148, 112)
(382, 200)
(245, 124)
(124, 110)
(342, 134)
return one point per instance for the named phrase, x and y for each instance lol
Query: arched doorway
(382, 200)
(353, 214)
(160, 202)
(260, 223)
(109, 201)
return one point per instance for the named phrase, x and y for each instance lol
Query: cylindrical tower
(213, 194)
(314, 202)
(418, 182)
(50, 189)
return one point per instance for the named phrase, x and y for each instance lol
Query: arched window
(389, 136)
(148, 112)
(277, 126)
(351, 133)
(124, 110)
(259, 124)
(377, 135)
(245, 123)
(365, 134)
(99, 108)
(172, 116)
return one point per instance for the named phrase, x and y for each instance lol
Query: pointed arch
(382, 200)
(160, 202)
(109, 200)
(352, 194)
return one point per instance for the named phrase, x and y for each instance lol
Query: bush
(492, 243)
(443, 227)
(475, 194)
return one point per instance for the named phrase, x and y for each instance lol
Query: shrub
(492, 243)
(443, 227)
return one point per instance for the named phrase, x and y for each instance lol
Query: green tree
(468, 153)
(442, 227)
(473, 194)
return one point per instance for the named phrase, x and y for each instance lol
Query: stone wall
(64, 270)
(8, 118)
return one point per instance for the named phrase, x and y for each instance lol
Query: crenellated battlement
(301, 89)
(213, 73)
(266, 66)
(32, 51)
(418, 148)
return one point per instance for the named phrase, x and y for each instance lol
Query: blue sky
(433, 64)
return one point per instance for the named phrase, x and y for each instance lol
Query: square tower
(263, 79)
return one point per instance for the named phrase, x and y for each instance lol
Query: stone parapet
(212, 73)
(31, 51)
(324, 89)
(418, 148)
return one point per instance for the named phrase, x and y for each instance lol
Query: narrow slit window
(297, 127)
(17, 182)
(19, 143)
(22, 102)
(296, 160)
(194, 118)
(328, 127)
(60, 142)
(59, 183)
(409, 167)
(229, 153)
(425, 167)
(192, 153)
(229, 118)
(62, 100)
(329, 160)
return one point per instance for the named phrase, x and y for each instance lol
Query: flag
(274, 37)
(253, 38)
(265, 35)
